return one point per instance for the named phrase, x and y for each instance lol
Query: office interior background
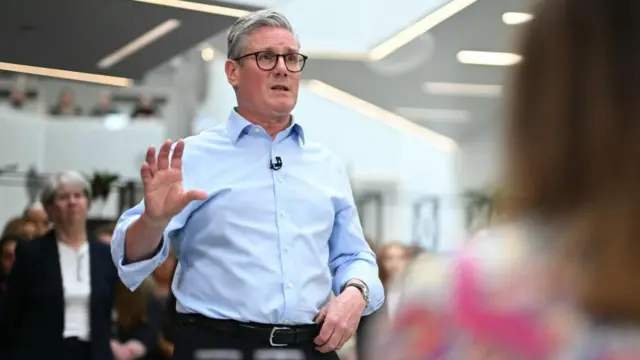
(408, 93)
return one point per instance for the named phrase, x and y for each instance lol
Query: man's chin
(282, 108)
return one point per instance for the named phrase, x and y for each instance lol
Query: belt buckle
(273, 333)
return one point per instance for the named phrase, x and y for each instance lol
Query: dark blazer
(32, 321)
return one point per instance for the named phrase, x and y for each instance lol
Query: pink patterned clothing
(498, 299)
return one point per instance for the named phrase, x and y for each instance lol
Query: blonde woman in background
(559, 278)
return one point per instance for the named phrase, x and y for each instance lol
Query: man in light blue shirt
(262, 218)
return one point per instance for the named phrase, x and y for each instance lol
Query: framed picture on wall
(426, 230)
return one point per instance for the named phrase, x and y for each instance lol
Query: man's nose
(281, 68)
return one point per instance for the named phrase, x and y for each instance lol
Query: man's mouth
(280, 88)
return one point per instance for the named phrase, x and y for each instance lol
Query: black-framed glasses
(267, 60)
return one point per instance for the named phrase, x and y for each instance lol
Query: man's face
(254, 86)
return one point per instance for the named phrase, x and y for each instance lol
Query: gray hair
(237, 38)
(66, 178)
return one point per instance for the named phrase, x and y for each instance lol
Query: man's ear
(232, 69)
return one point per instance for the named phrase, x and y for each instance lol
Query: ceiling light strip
(69, 75)
(488, 58)
(516, 18)
(462, 89)
(435, 115)
(352, 102)
(422, 26)
(139, 43)
(194, 6)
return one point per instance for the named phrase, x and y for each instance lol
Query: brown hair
(107, 228)
(15, 227)
(573, 148)
(132, 307)
(381, 255)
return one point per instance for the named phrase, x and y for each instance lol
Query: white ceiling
(397, 80)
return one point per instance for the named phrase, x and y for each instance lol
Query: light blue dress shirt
(266, 246)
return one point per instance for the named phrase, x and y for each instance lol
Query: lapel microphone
(277, 165)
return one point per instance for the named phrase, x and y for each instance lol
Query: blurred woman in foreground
(559, 279)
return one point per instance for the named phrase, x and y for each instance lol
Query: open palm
(164, 194)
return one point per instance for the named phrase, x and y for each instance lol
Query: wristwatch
(364, 290)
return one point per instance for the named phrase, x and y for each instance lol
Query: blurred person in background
(38, 215)
(137, 322)
(18, 98)
(558, 279)
(61, 289)
(8, 246)
(246, 283)
(66, 105)
(104, 232)
(105, 105)
(21, 227)
(145, 108)
(166, 302)
(392, 259)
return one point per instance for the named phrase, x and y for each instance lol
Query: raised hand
(164, 195)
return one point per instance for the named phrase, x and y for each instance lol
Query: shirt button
(287, 322)
(286, 249)
(290, 285)
(281, 214)
(256, 130)
(280, 180)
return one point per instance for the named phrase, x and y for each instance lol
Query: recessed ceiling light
(396, 121)
(488, 58)
(65, 74)
(207, 53)
(138, 43)
(194, 6)
(435, 115)
(462, 89)
(516, 18)
(422, 26)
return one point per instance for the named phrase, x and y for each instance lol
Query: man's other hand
(339, 319)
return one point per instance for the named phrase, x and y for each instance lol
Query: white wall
(481, 161)
(374, 151)
(53, 145)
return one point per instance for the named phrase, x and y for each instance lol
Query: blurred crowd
(144, 108)
(141, 326)
(143, 323)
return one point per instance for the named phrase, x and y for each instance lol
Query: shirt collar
(237, 127)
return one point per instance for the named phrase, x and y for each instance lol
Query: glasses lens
(268, 60)
(294, 62)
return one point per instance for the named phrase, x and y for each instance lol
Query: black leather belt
(274, 335)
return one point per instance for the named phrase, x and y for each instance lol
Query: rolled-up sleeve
(133, 273)
(350, 256)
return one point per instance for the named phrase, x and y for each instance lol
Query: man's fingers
(145, 173)
(333, 342)
(321, 315)
(195, 195)
(176, 156)
(326, 330)
(163, 155)
(150, 159)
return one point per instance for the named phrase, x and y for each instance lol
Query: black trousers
(76, 349)
(194, 342)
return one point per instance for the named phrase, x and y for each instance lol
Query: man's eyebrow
(288, 50)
